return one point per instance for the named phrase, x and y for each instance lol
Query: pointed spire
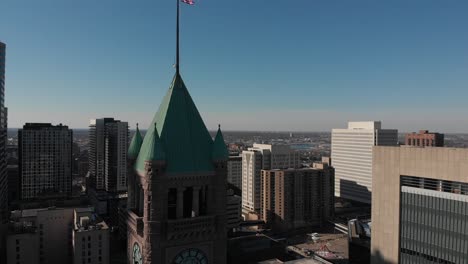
(220, 151)
(155, 151)
(135, 144)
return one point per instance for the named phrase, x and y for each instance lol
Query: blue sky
(249, 65)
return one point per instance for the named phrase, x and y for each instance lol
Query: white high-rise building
(351, 156)
(263, 157)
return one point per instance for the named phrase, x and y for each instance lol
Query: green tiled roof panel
(154, 150)
(135, 144)
(183, 134)
(220, 151)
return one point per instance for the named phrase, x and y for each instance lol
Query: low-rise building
(424, 139)
(57, 235)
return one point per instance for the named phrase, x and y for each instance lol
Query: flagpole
(177, 38)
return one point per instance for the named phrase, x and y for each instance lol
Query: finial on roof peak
(220, 151)
(135, 144)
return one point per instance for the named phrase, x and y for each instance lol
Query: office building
(263, 157)
(351, 153)
(45, 161)
(108, 147)
(233, 210)
(177, 198)
(424, 139)
(234, 171)
(420, 205)
(293, 198)
(3, 163)
(57, 235)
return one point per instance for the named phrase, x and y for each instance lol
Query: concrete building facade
(57, 235)
(90, 238)
(45, 161)
(234, 171)
(420, 205)
(233, 210)
(293, 198)
(263, 157)
(351, 154)
(424, 139)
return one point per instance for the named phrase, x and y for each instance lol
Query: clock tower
(177, 187)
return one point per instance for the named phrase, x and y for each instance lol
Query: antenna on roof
(177, 38)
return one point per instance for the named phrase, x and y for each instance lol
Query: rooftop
(184, 138)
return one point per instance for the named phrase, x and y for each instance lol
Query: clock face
(191, 256)
(137, 254)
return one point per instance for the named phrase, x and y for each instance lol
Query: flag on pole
(188, 2)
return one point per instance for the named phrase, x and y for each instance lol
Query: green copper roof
(184, 137)
(154, 150)
(220, 151)
(135, 145)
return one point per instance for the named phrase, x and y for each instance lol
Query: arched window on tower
(139, 200)
(188, 197)
(203, 200)
(172, 203)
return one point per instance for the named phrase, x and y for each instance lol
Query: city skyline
(308, 67)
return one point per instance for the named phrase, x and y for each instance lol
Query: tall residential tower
(45, 161)
(108, 147)
(263, 157)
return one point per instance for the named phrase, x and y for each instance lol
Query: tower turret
(135, 144)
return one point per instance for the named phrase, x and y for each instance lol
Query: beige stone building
(419, 205)
(294, 198)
